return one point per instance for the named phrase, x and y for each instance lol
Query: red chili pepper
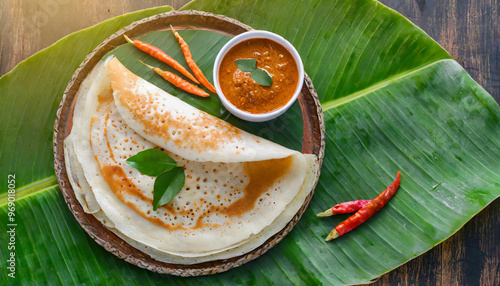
(178, 81)
(344, 208)
(191, 63)
(162, 56)
(365, 212)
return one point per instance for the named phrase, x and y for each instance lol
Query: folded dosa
(239, 189)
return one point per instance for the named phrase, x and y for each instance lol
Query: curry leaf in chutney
(246, 65)
(260, 76)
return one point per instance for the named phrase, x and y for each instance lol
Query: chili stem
(332, 235)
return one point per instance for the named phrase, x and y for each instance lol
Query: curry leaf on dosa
(167, 186)
(152, 162)
(169, 178)
(388, 103)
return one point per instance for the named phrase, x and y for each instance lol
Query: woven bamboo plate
(312, 143)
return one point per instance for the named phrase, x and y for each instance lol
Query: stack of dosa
(239, 189)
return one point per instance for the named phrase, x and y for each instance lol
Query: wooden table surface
(468, 30)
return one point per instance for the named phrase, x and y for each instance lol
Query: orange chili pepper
(365, 212)
(191, 63)
(178, 81)
(344, 208)
(162, 56)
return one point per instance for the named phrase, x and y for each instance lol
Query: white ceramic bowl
(257, 35)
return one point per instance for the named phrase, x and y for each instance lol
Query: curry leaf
(167, 186)
(262, 77)
(169, 178)
(151, 162)
(246, 65)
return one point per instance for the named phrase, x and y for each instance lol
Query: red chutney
(246, 94)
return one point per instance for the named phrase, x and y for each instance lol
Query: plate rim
(313, 143)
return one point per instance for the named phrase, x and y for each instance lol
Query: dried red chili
(344, 208)
(365, 212)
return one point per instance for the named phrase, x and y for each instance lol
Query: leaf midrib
(381, 84)
(30, 189)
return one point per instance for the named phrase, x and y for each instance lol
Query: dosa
(239, 189)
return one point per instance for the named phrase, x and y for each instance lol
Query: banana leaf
(393, 99)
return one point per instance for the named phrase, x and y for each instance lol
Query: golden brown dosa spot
(85, 201)
(262, 176)
(117, 180)
(201, 132)
(111, 154)
(92, 122)
(105, 96)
